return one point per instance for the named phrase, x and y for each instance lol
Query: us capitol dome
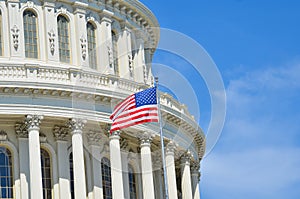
(64, 65)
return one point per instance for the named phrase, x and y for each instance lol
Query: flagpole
(161, 139)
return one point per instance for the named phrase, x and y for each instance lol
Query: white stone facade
(59, 81)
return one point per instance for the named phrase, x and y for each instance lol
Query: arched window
(30, 34)
(46, 174)
(63, 39)
(106, 178)
(132, 183)
(6, 176)
(71, 175)
(115, 51)
(91, 37)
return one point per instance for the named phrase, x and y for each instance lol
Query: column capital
(186, 158)
(115, 135)
(145, 138)
(21, 130)
(33, 121)
(170, 148)
(94, 137)
(195, 166)
(76, 125)
(60, 133)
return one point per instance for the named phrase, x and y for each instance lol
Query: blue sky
(256, 46)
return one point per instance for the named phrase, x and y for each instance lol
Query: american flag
(137, 108)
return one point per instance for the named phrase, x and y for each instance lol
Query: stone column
(195, 180)
(94, 138)
(60, 134)
(22, 134)
(76, 126)
(124, 157)
(186, 186)
(33, 126)
(116, 166)
(146, 162)
(171, 173)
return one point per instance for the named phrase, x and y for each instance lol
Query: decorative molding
(60, 133)
(15, 31)
(29, 4)
(83, 47)
(110, 55)
(52, 35)
(130, 64)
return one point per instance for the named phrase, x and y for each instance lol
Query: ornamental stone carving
(130, 64)
(94, 137)
(3, 135)
(21, 130)
(76, 125)
(15, 31)
(124, 144)
(110, 55)
(60, 133)
(52, 40)
(33, 121)
(83, 47)
(145, 73)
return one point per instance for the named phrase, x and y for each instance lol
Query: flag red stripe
(135, 117)
(134, 123)
(123, 105)
(134, 111)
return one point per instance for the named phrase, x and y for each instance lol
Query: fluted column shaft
(186, 185)
(76, 126)
(36, 187)
(171, 173)
(116, 166)
(146, 162)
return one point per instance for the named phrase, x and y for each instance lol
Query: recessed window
(106, 178)
(63, 39)
(46, 174)
(71, 175)
(132, 183)
(6, 176)
(30, 34)
(91, 37)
